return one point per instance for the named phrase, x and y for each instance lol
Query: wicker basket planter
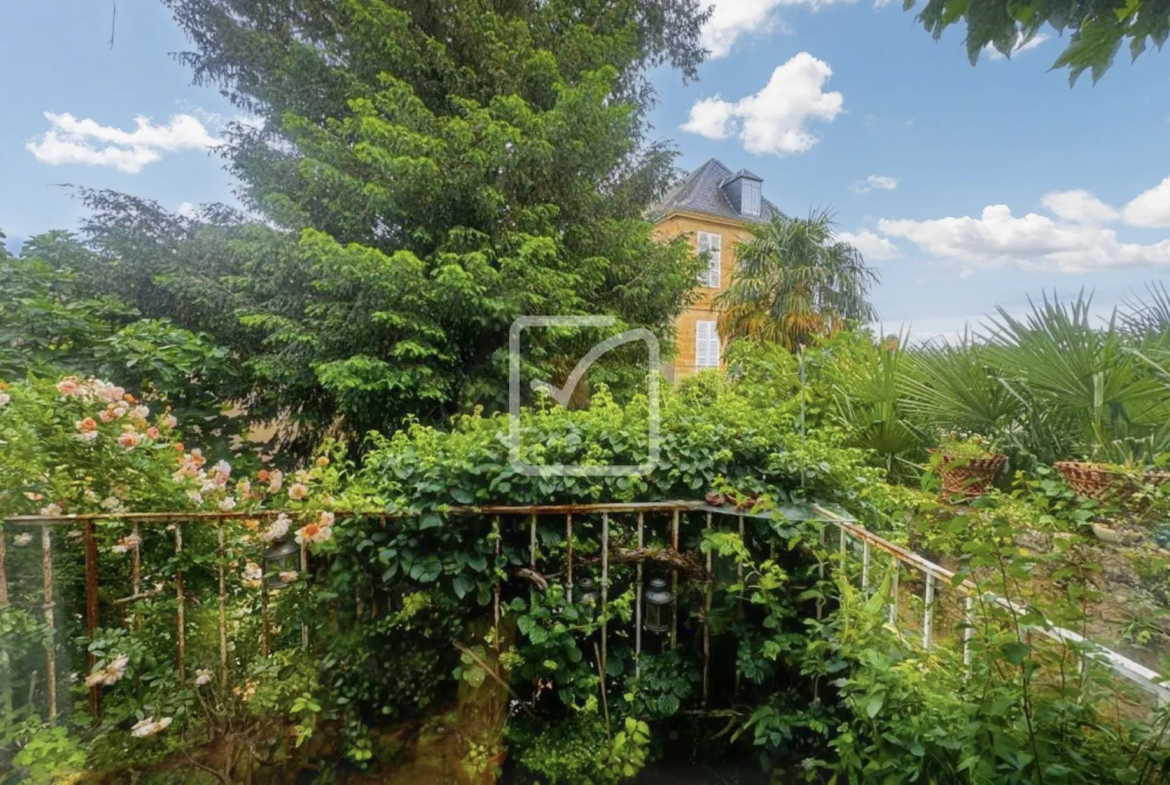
(968, 477)
(1105, 483)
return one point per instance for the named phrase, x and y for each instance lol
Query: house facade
(714, 207)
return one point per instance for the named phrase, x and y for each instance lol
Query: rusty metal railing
(140, 522)
(1146, 679)
(849, 531)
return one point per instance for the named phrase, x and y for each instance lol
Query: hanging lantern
(279, 563)
(659, 606)
(587, 596)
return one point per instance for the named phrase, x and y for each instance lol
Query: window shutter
(712, 245)
(715, 271)
(706, 344)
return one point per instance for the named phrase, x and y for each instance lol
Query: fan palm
(795, 281)
(1090, 382)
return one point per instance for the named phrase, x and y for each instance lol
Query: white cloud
(731, 19)
(1079, 206)
(875, 182)
(710, 118)
(1151, 208)
(872, 246)
(73, 141)
(1021, 46)
(773, 120)
(188, 210)
(998, 240)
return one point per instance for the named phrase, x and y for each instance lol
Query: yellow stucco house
(714, 207)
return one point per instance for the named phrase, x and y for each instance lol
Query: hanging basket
(968, 477)
(1106, 483)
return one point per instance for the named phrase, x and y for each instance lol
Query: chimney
(745, 192)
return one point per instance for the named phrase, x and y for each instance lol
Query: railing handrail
(455, 510)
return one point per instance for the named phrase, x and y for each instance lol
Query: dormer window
(752, 195)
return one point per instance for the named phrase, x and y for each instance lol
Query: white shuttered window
(706, 344)
(712, 245)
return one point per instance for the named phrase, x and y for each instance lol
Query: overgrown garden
(371, 590)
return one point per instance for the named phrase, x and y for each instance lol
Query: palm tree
(795, 281)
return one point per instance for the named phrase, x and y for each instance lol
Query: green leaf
(1016, 652)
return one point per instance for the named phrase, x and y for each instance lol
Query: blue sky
(967, 187)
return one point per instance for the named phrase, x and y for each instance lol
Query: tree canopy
(1099, 28)
(426, 173)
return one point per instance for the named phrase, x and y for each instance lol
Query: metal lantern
(587, 596)
(279, 559)
(659, 604)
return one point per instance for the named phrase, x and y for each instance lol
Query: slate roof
(701, 191)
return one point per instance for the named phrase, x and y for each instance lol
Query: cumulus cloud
(773, 120)
(1079, 206)
(875, 182)
(872, 246)
(1021, 46)
(1075, 238)
(710, 118)
(1151, 208)
(731, 19)
(73, 141)
(997, 239)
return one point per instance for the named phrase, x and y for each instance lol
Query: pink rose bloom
(129, 440)
(314, 533)
(152, 432)
(88, 425)
(107, 416)
(298, 492)
(69, 387)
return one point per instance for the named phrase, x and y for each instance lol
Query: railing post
(264, 633)
(51, 638)
(821, 573)
(604, 589)
(638, 602)
(894, 592)
(305, 577)
(532, 556)
(497, 536)
(221, 550)
(569, 557)
(968, 629)
(707, 613)
(674, 583)
(180, 596)
(864, 566)
(928, 615)
(5, 659)
(136, 574)
(3, 568)
(91, 615)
